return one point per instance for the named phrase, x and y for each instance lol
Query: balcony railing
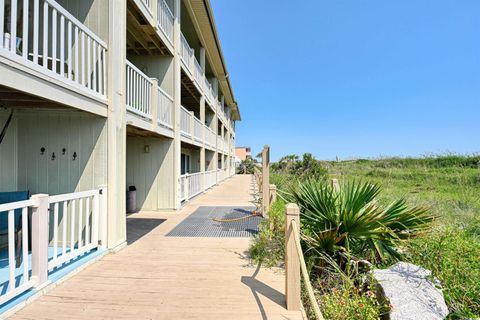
(47, 38)
(138, 91)
(210, 137)
(185, 121)
(165, 19)
(198, 128)
(165, 107)
(61, 228)
(186, 53)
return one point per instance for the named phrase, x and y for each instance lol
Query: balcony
(144, 99)
(49, 41)
(161, 17)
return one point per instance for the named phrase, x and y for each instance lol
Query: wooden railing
(194, 184)
(210, 137)
(138, 91)
(198, 128)
(295, 265)
(10, 209)
(185, 121)
(165, 108)
(71, 221)
(81, 209)
(210, 179)
(48, 39)
(165, 19)
(186, 53)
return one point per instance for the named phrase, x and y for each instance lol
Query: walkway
(158, 277)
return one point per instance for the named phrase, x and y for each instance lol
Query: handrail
(75, 21)
(304, 272)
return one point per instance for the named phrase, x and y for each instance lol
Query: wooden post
(335, 185)
(265, 180)
(292, 261)
(273, 193)
(40, 240)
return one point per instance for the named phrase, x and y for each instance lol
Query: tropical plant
(350, 221)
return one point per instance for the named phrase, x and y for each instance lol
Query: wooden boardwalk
(158, 277)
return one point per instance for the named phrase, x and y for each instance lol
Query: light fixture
(146, 148)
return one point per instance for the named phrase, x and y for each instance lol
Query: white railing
(138, 91)
(165, 19)
(47, 38)
(183, 188)
(78, 231)
(165, 108)
(63, 227)
(198, 129)
(210, 179)
(148, 4)
(198, 73)
(185, 121)
(14, 287)
(210, 137)
(186, 53)
(194, 184)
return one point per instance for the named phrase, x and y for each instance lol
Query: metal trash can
(131, 199)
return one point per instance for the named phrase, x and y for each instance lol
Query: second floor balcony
(144, 98)
(47, 40)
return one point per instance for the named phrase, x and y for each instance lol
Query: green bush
(351, 220)
(269, 244)
(453, 256)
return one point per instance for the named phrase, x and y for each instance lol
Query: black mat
(200, 223)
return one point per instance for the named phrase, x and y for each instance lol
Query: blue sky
(356, 78)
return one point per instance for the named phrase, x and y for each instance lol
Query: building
(97, 96)
(243, 153)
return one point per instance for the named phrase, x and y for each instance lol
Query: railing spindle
(11, 249)
(54, 40)
(26, 276)
(64, 227)
(80, 222)
(55, 229)
(13, 26)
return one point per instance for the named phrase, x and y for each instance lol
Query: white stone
(411, 293)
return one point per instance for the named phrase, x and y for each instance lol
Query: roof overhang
(201, 14)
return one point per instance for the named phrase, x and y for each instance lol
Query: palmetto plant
(351, 220)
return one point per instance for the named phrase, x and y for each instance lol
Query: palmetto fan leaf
(352, 219)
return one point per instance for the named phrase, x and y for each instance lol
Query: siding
(78, 133)
(151, 173)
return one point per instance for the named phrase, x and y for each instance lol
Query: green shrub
(453, 256)
(269, 244)
(351, 220)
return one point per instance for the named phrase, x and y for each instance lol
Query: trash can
(131, 199)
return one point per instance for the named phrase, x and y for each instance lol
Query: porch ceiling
(142, 38)
(11, 98)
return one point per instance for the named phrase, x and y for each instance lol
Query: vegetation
(449, 185)
(247, 166)
(350, 222)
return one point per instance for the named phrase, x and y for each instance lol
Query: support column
(266, 180)
(116, 128)
(176, 104)
(202, 149)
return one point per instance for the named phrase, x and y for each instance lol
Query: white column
(176, 104)
(116, 128)
(40, 240)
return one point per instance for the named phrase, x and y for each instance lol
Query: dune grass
(450, 185)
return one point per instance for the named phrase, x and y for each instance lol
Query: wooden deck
(158, 277)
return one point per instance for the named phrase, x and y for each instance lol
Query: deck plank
(158, 277)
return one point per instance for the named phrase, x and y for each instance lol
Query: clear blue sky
(354, 78)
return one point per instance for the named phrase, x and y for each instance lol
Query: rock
(411, 293)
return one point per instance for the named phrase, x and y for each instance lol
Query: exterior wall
(8, 155)
(151, 173)
(194, 159)
(23, 167)
(92, 13)
(242, 153)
